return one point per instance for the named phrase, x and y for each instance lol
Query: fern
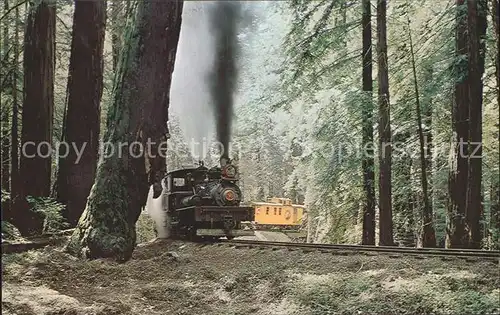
(5, 196)
(52, 209)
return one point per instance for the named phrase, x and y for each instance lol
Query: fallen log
(32, 243)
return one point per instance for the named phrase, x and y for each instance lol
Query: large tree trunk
(38, 105)
(5, 151)
(37, 114)
(5, 178)
(117, 19)
(429, 146)
(14, 151)
(477, 29)
(385, 146)
(138, 114)
(495, 184)
(368, 163)
(76, 172)
(120, 12)
(404, 197)
(429, 235)
(460, 117)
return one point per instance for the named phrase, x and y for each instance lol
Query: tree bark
(428, 139)
(5, 178)
(495, 185)
(38, 102)
(460, 117)
(385, 145)
(429, 234)
(138, 114)
(37, 114)
(368, 164)
(76, 171)
(477, 29)
(14, 132)
(116, 30)
(404, 197)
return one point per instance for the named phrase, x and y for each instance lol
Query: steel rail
(370, 248)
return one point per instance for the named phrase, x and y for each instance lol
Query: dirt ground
(186, 278)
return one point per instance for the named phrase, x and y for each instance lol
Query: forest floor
(172, 277)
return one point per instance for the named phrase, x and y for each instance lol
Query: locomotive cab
(205, 203)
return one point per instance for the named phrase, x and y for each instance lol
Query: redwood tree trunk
(138, 114)
(404, 197)
(14, 155)
(477, 28)
(117, 25)
(76, 172)
(460, 117)
(495, 185)
(385, 146)
(5, 178)
(5, 151)
(428, 139)
(429, 234)
(368, 163)
(37, 115)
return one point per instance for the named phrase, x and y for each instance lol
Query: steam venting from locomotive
(155, 209)
(224, 17)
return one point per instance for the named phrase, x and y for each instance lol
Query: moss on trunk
(138, 113)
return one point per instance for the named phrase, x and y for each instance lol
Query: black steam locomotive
(204, 203)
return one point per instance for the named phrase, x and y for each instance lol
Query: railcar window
(267, 210)
(274, 211)
(179, 182)
(279, 211)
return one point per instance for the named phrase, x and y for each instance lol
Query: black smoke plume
(224, 18)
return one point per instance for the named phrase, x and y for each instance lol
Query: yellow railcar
(278, 213)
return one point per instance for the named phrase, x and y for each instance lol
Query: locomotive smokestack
(222, 79)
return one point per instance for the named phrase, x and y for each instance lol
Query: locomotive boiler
(204, 203)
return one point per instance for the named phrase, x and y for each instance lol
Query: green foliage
(317, 95)
(178, 154)
(9, 231)
(260, 140)
(52, 209)
(5, 196)
(320, 92)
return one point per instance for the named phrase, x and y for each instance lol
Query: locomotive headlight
(229, 195)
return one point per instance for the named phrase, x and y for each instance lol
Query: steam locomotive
(203, 203)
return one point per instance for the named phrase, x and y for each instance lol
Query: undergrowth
(54, 221)
(364, 293)
(52, 210)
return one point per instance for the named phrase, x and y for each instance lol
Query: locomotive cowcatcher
(204, 203)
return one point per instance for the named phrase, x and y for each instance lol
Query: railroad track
(368, 249)
(338, 249)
